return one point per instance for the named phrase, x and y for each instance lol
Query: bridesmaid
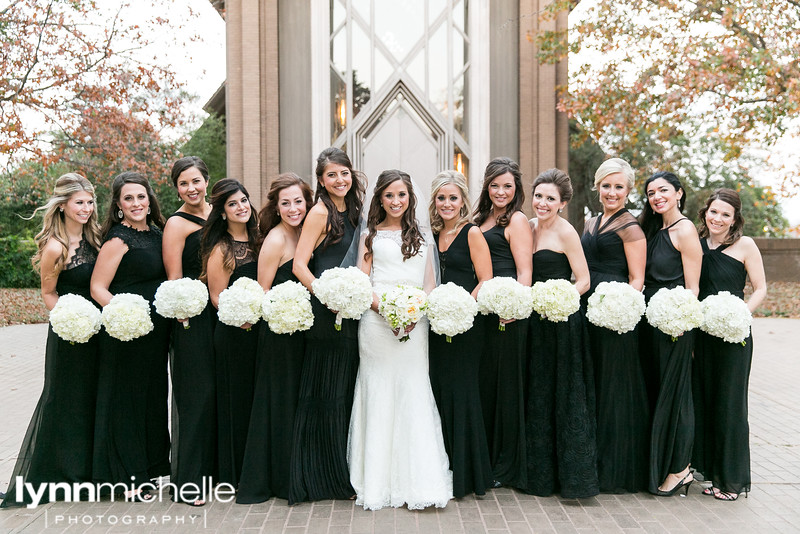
(131, 429)
(503, 361)
(722, 370)
(330, 365)
(58, 444)
(464, 259)
(194, 431)
(560, 416)
(228, 249)
(279, 358)
(674, 257)
(616, 251)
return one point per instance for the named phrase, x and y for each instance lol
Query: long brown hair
(728, 196)
(269, 216)
(153, 216)
(412, 237)
(354, 200)
(498, 167)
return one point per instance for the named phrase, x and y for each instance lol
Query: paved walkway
(773, 506)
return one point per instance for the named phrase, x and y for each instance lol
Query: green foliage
(208, 143)
(15, 262)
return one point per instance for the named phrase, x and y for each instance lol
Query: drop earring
(148, 211)
(224, 217)
(119, 214)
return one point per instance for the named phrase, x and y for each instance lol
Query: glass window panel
(362, 69)
(339, 111)
(362, 7)
(460, 99)
(399, 25)
(383, 69)
(416, 69)
(338, 12)
(460, 14)
(339, 52)
(437, 69)
(435, 8)
(460, 161)
(459, 53)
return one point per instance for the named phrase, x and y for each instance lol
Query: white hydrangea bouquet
(127, 316)
(402, 306)
(451, 310)
(346, 290)
(74, 318)
(674, 311)
(616, 306)
(240, 303)
(287, 308)
(555, 300)
(505, 297)
(726, 316)
(181, 299)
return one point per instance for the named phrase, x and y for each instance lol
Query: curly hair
(354, 200)
(270, 216)
(412, 237)
(498, 167)
(442, 179)
(728, 196)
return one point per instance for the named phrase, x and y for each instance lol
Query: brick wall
(781, 258)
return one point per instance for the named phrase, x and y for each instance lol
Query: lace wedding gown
(395, 448)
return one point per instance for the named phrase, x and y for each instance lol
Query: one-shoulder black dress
(58, 443)
(721, 372)
(454, 371)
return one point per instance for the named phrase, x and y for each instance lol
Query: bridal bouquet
(241, 303)
(127, 317)
(506, 298)
(555, 300)
(346, 290)
(616, 306)
(451, 310)
(287, 308)
(402, 306)
(674, 311)
(726, 316)
(181, 299)
(74, 318)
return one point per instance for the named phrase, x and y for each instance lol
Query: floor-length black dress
(560, 415)
(667, 366)
(327, 383)
(235, 350)
(454, 371)
(194, 426)
(279, 362)
(58, 443)
(503, 369)
(623, 417)
(721, 372)
(131, 429)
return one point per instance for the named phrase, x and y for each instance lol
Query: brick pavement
(772, 507)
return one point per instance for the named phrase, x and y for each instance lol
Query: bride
(395, 449)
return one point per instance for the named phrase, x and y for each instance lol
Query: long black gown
(721, 372)
(453, 370)
(131, 429)
(667, 366)
(58, 443)
(279, 362)
(327, 383)
(623, 416)
(503, 369)
(235, 350)
(194, 428)
(560, 416)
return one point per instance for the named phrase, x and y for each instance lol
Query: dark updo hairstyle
(498, 167)
(651, 221)
(558, 178)
(270, 216)
(187, 163)
(728, 196)
(412, 237)
(354, 200)
(112, 218)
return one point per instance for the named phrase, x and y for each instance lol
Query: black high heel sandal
(682, 485)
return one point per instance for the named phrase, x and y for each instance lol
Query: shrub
(15, 262)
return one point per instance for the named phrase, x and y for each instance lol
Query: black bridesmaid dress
(721, 372)
(560, 416)
(503, 368)
(194, 427)
(235, 350)
(267, 456)
(623, 417)
(327, 382)
(131, 430)
(58, 443)
(454, 371)
(667, 367)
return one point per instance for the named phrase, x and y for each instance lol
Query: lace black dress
(58, 444)
(327, 383)
(721, 372)
(453, 370)
(623, 417)
(194, 425)
(131, 429)
(279, 362)
(503, 369)
(235, 350)
(560, 416)
(667, 366)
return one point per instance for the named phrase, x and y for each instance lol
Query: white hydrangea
(555, 300)
(726, 316)
(241, 303)
(403, 305)
(346, 290)
(127, 316)
(505, 297)
(674, 311)
(287, 308)
(181, 299)
(616, 306)
(451, 310)
(74, 318)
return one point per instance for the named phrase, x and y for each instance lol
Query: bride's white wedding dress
(395, 448)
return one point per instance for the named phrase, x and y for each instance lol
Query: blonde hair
(449, 177)
(613, 166)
